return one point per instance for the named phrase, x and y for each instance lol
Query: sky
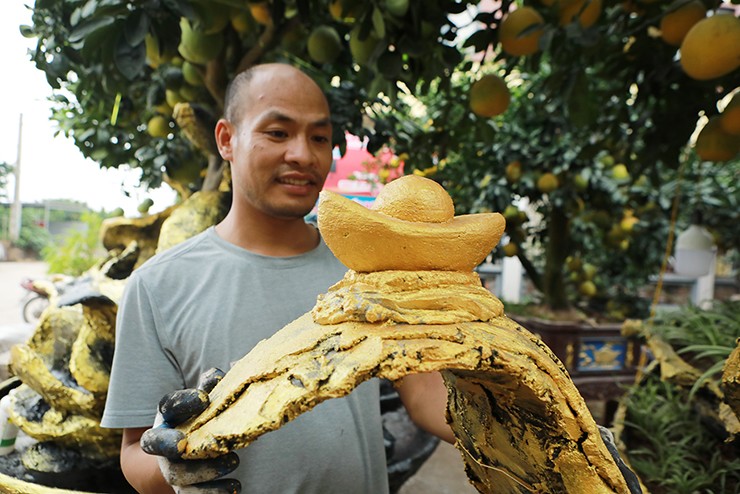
(52, 167)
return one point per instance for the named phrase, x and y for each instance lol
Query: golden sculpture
(520, 423)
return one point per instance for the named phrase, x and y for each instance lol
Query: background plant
(33, 236)
(78, 250)
(675, 440)
(671, 448)
(5, 170)
(602, 112)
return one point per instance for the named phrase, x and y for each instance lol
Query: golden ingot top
(415, 198)
(411, 227)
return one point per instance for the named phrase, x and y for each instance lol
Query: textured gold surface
(32, 370)
(120, 233)
(89, 361)
(366, 240)
(731, 380)
(729, 411)
(12, 485)
(409, 304)
(64, 368)
(54, 334)
(71, 430)
(520, 423)
(418, 297)
(199, 211)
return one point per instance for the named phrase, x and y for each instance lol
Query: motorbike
(34, 301)
(39, 293)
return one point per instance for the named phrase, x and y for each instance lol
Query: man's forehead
(286, 116)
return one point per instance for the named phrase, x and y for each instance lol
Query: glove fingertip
(230, 462)
(210, 378)
(220, 486)
(160, 441)
(181, 405)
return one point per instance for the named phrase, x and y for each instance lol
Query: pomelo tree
(602, 104)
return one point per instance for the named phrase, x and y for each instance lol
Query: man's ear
(224, 132)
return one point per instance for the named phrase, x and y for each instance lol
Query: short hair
(234, 89)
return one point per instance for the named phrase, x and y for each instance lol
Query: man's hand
(162, 440)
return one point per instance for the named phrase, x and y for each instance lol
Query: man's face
(281, 147)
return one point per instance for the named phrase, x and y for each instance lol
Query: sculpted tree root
(64, 369)
(12, 485)
(730, 385)
(520, 423)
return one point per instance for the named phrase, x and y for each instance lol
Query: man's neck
(269, 236)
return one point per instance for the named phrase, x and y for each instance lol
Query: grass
(670, 443)
(671, 448)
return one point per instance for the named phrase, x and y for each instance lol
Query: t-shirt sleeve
(143, 370)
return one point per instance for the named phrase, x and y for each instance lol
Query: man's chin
(291, 213)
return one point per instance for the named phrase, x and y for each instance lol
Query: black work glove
(162, 440)
(633, 483)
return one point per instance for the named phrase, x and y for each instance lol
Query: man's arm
(141, 469)
(425, 398)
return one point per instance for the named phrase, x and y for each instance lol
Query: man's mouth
(295, 181)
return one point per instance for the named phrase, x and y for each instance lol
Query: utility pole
(16, 207)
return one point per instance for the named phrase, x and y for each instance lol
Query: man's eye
(321, 139)
(277, 133)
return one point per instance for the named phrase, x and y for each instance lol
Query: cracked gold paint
(418, 297)
(519, 421)
(75, 431)
(85, 364)
(731, 381)
(517, 416)
(32, 370)
(121, 233)
(67, 342)
(199, 211)
(12, 485)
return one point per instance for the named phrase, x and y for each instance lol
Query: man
(206, 302)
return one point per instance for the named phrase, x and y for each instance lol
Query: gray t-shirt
(206, 303)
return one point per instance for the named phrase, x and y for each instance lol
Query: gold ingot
(407, 231)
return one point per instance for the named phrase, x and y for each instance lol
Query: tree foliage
(5, 170)
(78, 250)
(590, 99)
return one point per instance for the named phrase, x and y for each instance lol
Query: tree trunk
(558, 240)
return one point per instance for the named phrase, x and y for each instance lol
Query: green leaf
(27, 31)
(180, 8)
(130, 60)
(92, 26)
(88, 9)
(135, 28)
(378, 22)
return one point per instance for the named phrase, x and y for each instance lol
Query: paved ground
(442, 474)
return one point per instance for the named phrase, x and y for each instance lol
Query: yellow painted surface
(407, 231)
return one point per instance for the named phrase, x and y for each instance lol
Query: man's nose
(299, 151)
